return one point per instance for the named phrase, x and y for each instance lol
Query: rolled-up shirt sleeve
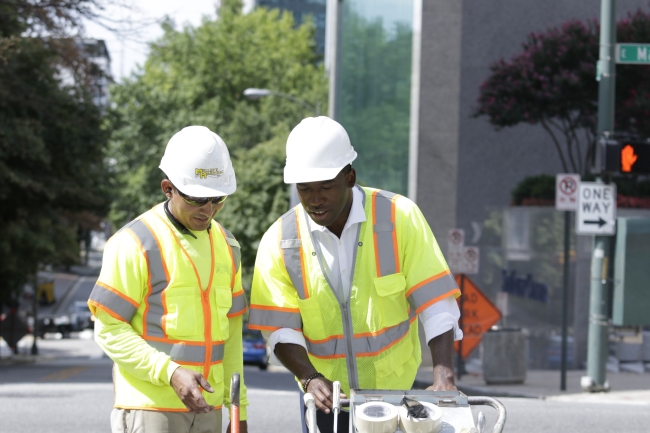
(282, 335)
(440, 317)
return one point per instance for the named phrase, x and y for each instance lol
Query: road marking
(63, 374)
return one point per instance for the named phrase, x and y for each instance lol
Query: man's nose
(316, 198)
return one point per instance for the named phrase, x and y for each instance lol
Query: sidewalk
(625, 387)
(80, 346)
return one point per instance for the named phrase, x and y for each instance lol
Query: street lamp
(254, 94)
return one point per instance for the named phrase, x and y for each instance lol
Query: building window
(374, 97)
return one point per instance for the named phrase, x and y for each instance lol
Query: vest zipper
(207, 317)
(351, 359)
(207, 320)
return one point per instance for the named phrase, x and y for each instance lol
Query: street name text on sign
(596, 214)
(633, 53)
(566, 191)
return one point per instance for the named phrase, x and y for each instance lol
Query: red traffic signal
(625, 156)
(635, 157)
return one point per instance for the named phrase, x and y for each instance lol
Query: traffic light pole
(599, 287)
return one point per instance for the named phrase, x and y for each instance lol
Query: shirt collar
(357, 213)
(181, 228)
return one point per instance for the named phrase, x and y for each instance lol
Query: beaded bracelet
(309, 379)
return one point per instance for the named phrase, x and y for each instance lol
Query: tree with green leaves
(196, 76)
(552, 82)
(52, 173)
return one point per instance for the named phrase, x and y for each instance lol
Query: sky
(128, 52)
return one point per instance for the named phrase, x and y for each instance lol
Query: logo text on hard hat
(203, 173)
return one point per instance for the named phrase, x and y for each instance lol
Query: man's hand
(187, 384)
(321, 388)
(295, 358)
(442, 350)
(243, 427)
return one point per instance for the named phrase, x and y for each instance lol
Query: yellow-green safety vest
(370, 340)
(175, 316)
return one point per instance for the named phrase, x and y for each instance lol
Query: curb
(25, 359)
(483, 391)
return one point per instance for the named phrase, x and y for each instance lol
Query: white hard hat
(197, 162)
(317, 149)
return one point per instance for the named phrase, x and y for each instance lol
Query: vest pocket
(223, 300)
(394, 370)
(392, 299)
(182, 319)
(312, 321)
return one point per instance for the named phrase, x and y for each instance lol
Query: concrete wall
(439, 113)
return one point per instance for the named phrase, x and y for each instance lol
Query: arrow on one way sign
(601, 222)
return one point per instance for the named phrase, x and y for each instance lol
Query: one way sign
(596, 214)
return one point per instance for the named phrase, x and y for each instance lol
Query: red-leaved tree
(552, 82)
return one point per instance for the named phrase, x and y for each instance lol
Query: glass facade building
(374, 89)
(301, 9)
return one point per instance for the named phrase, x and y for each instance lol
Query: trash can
(504, 356)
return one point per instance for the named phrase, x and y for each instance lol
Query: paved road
(74, 394)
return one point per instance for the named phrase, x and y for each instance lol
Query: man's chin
(323, 223)
(199, 227)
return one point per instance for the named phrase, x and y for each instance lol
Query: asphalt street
(73, 393)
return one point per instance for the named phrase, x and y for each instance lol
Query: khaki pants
(149, 421)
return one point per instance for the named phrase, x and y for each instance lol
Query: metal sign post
(598, 299)
(566, 199)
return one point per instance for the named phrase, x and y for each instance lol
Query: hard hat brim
(200, 191)
(311, 175)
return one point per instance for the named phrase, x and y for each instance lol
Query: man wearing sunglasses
(169, 300)
(341, 279)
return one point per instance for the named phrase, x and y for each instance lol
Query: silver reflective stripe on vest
(383, 228)
(290, 247)
(113, 302)
(157, 279)
(330, 348)
(432, 290)
(372, 344)
(238, 304)
(274, 318)
(180, 352)
(217, 353)
(234, 247)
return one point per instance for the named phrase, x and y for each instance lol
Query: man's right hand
(321, 388)
(186, 384)
(295, 358)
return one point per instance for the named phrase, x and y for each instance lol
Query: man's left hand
(442, 387)
(243, 427)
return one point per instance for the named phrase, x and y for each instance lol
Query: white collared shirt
(336, 257)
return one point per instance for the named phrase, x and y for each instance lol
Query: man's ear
(351, 178)
(166, 187)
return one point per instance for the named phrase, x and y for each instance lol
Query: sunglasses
(201, 201)
(414, 408)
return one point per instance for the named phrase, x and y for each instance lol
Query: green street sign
(633, 53)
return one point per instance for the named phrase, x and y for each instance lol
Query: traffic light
(625, 156)
(635, 157)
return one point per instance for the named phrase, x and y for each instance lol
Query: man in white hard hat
(169, 300)
(341, 278)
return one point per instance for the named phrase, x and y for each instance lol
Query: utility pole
(600, 261)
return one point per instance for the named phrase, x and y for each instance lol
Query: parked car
(255, 351)
(51, 323)
(80, 316)
(77, 318)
